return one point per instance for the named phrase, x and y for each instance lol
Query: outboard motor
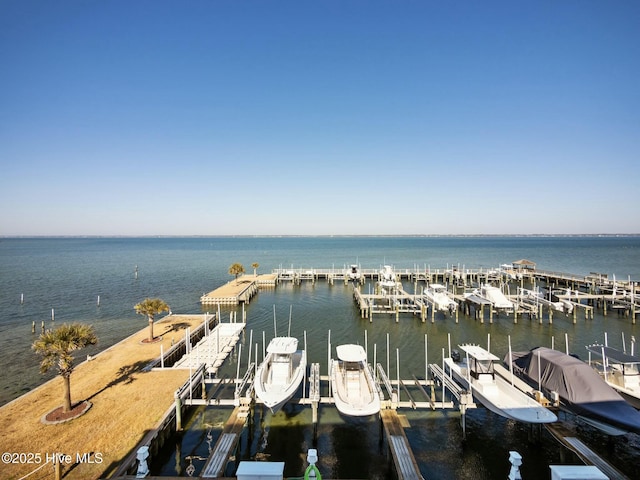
(455, 356)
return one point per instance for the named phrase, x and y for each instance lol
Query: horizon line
(366, 235)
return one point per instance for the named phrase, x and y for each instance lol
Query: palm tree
(236, 269)
(255, 267)
(56, 347)
(150, 307)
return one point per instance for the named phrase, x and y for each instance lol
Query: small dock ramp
(405, 462)
(588, 456)
(226, 444)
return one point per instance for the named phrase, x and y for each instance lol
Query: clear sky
(224, 117)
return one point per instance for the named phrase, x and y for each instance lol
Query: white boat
(355, 392)
(620, 370)
(387, 278)
(495, 296)
(437, 294)
(475, 372)
(281, 373)
(354, 272)
(536, 297)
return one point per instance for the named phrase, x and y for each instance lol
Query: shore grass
(126, 403)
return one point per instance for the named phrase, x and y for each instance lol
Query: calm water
(68, 275)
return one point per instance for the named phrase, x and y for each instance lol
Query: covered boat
(580, 388)
(355, 392)
(281, 373)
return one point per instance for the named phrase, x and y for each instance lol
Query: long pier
(574, 292)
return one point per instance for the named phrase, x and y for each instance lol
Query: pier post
(178, 413)
(464, 399)
(491, 314)
(550, 315)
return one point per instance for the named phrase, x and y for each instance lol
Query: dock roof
(524, 263)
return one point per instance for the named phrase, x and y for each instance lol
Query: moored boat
(354, 272)
(387, 278)
(619, 370)
(579, 388)
(281, 373)
(355, 392)
(494, 295)
(438, 296)
(475, 372)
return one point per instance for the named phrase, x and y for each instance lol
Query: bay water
(99, 280)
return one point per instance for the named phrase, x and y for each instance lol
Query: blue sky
(319, 118)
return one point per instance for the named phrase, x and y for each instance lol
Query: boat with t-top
(281, 373)
(620, 370)
(355, 392)
(475, 371)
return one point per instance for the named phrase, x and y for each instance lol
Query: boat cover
(578, 385)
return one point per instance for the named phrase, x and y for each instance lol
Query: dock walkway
(405, 463)
(588, 456)
(226, 444)
(240, 290)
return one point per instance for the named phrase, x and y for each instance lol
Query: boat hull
(356, 396)
(501, 398)
(275, 396)
(631, 398)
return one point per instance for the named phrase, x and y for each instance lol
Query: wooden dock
(587, 292)
(240, 290)
(588, 456)
(226, 444)
(403, 459)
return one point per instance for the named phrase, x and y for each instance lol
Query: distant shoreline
(469, 235)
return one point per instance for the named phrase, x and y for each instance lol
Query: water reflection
(352, 449)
